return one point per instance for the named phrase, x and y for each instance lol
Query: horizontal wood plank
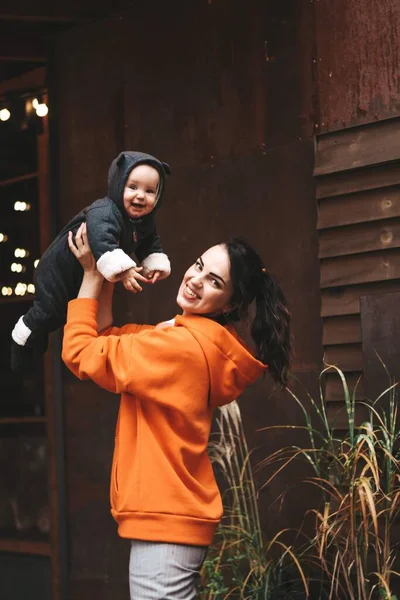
(341, 330)
(334, 391)
(337, 416)
(356, 147)
(18, 179)
(362, 237)
(349, 182)
(25, 547)
(347, 357)
(346, 300)
(359, 207)
(21, 420)
(360, 268)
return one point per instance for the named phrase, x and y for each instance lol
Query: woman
(171, 377)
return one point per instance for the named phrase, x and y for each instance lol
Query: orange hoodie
(170, 380)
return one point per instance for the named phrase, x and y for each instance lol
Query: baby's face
(140, 193)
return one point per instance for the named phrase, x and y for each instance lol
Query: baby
(118, 225)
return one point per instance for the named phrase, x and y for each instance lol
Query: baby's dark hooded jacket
(112, 236)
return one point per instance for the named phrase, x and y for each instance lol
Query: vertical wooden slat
(45, 239)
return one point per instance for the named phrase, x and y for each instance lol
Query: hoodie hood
(230, 364)
(119, 172)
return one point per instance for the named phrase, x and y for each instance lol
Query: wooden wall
(222, 90)
(358, 60)
(358, 177)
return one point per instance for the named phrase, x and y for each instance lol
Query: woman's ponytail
(270, 327)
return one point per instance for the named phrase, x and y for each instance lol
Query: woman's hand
(81, 249)
(92, 280)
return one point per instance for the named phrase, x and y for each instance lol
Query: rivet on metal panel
(387, 204)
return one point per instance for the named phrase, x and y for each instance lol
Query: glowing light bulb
(21, 253)
(31, 288)
(4, 291)
(17, 268)
(21, 206)
(20, 289)
(42, 110)
(4, 114)
(35, 264)
(3, 237)
(35, 103)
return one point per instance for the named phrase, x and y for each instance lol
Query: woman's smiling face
(206, 288)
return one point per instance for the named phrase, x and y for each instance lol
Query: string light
(4, 114)
(3, 237)
(18, 268)
(42, 110)
(22, 206)
(21, 253)
(35, 103)
(20, 289)
(35, 264)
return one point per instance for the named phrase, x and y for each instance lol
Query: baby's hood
(121, 167)
(230, 364)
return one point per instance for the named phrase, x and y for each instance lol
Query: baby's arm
(154, 261)
(104, 230)
(131, 278)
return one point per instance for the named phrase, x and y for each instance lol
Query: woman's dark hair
(270, 328)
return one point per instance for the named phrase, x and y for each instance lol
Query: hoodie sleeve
(151, 255)
(145, 364)
(129, 328)
(104, 227)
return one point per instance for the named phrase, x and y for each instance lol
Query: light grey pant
(159, 571)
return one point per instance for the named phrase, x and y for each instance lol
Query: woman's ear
(230, 309)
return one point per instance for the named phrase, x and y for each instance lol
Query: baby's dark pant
(57, 281)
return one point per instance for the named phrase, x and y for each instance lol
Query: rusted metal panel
(358, 58)
(291, 78)
(208, 100)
